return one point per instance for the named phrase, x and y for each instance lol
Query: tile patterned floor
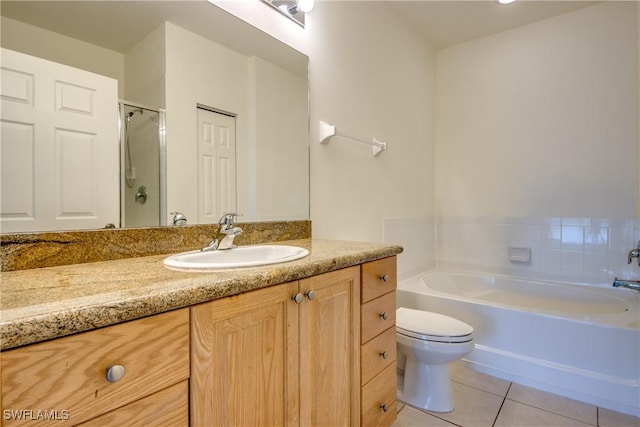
(486, 401)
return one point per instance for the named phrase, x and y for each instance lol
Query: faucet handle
(228, 218)
(634, 253)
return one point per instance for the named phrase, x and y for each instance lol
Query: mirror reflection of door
(216, 165)
(140, 172)
(58, 142)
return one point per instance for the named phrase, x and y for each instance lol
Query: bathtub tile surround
(589, 250)
(21, 251)
(519, 406)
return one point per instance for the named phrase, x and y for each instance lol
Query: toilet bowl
(427, 342)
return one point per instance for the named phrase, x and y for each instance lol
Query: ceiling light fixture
(305, 6)
(292, 9)
(506, 1)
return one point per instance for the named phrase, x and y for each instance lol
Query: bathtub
(576, 340)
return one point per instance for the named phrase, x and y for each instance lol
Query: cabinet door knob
(384, 354)
(384, 407)
(384, 277)
(115, 373)
(311, 294)
(384, 315)
(297, 298)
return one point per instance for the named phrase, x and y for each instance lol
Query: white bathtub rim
(603, 388)
(614, 320)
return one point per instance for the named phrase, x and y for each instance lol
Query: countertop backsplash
(23, 251)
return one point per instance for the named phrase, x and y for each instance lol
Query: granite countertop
(46, 303)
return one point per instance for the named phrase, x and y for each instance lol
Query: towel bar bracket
(326, 131)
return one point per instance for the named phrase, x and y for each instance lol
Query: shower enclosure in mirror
(143, 170)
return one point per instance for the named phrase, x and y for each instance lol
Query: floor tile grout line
(481, 389)
(555, 413)
(504, 399)
(428, 413)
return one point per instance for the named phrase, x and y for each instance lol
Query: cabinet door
(244, 368)
(329, 333)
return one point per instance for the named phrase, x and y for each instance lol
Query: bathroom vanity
(309, 342)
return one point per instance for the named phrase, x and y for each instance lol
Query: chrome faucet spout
(212, 246)
(227, 241)
(230, 231)
(629, 284)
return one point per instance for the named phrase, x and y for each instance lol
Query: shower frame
(162, 142)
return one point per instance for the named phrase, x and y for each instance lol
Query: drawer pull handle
(311, 294)
(384, 407)
(115, 373)
(384, 315)
(384, 354)
(297, 298)
(384, 278)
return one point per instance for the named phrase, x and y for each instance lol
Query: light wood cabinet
(378, 339)
(315, 352)
(329, 332)
(245, 359)
(64, 381)
(263, 358)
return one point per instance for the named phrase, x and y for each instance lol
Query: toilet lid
(428, 326)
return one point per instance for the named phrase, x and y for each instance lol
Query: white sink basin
(242, 256)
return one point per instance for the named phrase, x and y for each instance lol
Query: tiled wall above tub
(576, 249)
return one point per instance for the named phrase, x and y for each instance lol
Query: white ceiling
(449, 22)
(118, 25)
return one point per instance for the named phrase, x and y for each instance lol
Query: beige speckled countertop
(45, 303)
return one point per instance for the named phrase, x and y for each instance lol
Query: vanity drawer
(169, 407)
(377, 354)
(69, 374)
(379, 404)
(378, 315)
(378, 278)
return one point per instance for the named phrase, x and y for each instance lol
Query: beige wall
(541, 120)
(62, 49)
(145, 69)
(281, 150)
(371, 77)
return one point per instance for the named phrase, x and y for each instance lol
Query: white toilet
(427, 342)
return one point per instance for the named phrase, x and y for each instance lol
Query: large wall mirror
(227, 104)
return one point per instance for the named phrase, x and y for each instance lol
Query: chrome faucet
(634, 253)
(178, 219)
(629, 284)
(228, 228)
